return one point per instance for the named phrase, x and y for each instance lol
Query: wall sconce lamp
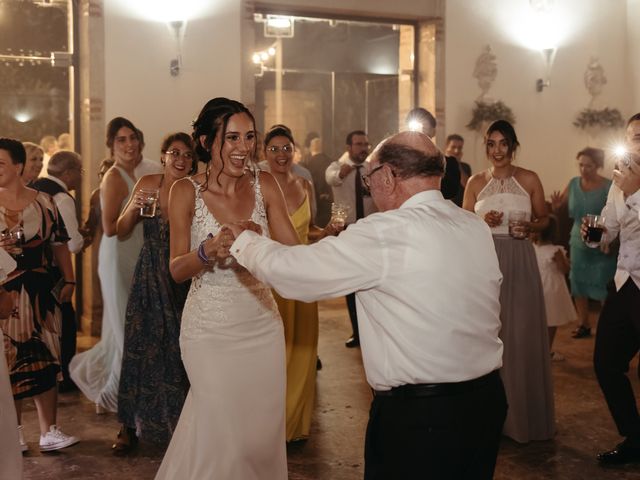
(549, 55)
(259, 59)
(177, 27)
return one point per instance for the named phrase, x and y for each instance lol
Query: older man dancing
(431, 355)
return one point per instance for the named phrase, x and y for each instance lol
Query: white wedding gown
(232, 425)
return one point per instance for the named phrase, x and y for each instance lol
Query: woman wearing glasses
(153, 383)
(300, 319)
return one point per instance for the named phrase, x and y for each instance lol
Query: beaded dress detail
(232, 343)
(503, 195)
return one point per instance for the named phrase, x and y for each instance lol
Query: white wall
(216, 51)
(138, 51)
(543, 120)
(137, 55)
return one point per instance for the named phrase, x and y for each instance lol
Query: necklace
(503, 179)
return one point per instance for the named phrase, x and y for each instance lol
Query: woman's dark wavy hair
(15, 149)
(187, 140)
(278, 130)
(115, 125)
(507, 131)
(213, 119)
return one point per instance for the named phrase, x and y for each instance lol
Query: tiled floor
(334, 451)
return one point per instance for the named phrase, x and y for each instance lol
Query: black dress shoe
(353, 342)
(623, 453)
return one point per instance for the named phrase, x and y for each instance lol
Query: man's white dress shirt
(67, 208)
(622, 216)
(427, 285)
(344, 189)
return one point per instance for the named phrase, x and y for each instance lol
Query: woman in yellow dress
(300, 319)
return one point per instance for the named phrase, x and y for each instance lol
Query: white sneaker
(55, 439)
(23, 445)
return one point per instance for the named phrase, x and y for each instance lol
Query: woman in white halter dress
(232, 425)
(526, 370)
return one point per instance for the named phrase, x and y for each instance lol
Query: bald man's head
(412, 154)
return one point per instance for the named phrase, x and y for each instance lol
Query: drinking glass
(15, 239)
(339, 213)
(595, 228)
(517, 224)
(150, 199)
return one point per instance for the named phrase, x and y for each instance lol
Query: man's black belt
(438, 389)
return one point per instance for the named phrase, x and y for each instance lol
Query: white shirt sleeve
(333, 267)
(633, 202)
(67, 208)
(610, 214)
(332, 174)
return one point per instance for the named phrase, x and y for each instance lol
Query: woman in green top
(591, 268)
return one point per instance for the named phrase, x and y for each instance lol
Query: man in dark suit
(422, 120)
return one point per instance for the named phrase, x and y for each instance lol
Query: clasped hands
(216, 247)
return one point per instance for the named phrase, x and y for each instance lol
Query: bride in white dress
(232, 425)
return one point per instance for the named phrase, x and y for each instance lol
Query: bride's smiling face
(238, 145)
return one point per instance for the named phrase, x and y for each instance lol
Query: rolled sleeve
(332, 174)
(67, 208)
(331, 268)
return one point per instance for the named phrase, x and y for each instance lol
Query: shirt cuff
(633, 201)
(240, 243)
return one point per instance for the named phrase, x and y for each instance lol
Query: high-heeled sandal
(126, 441)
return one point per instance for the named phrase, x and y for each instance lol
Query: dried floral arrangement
(485, 112)
(607, 118)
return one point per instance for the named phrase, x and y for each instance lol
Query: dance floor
(335, 449)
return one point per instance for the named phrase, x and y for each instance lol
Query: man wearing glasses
(431, 356)
(64, 174)
(345, 178)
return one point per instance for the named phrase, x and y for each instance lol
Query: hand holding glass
(518, 224)
(595, 229)
(149, 199)
(339, 213)
(13, 240)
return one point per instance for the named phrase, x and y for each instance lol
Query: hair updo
(213, 118)
(507, 131)
(278, 130)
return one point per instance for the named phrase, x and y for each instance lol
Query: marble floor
(334, 451)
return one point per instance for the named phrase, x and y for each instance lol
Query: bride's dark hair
(213, 118)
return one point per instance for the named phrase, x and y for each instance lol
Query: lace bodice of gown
(215, 294)
(503, 195)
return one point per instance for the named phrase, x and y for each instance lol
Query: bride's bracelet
(202, 255)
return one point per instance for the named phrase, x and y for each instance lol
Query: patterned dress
(32, 331)
(153, 383)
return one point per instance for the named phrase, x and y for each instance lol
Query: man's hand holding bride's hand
(239, 227)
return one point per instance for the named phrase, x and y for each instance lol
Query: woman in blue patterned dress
(153, 383)
(591, 269)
